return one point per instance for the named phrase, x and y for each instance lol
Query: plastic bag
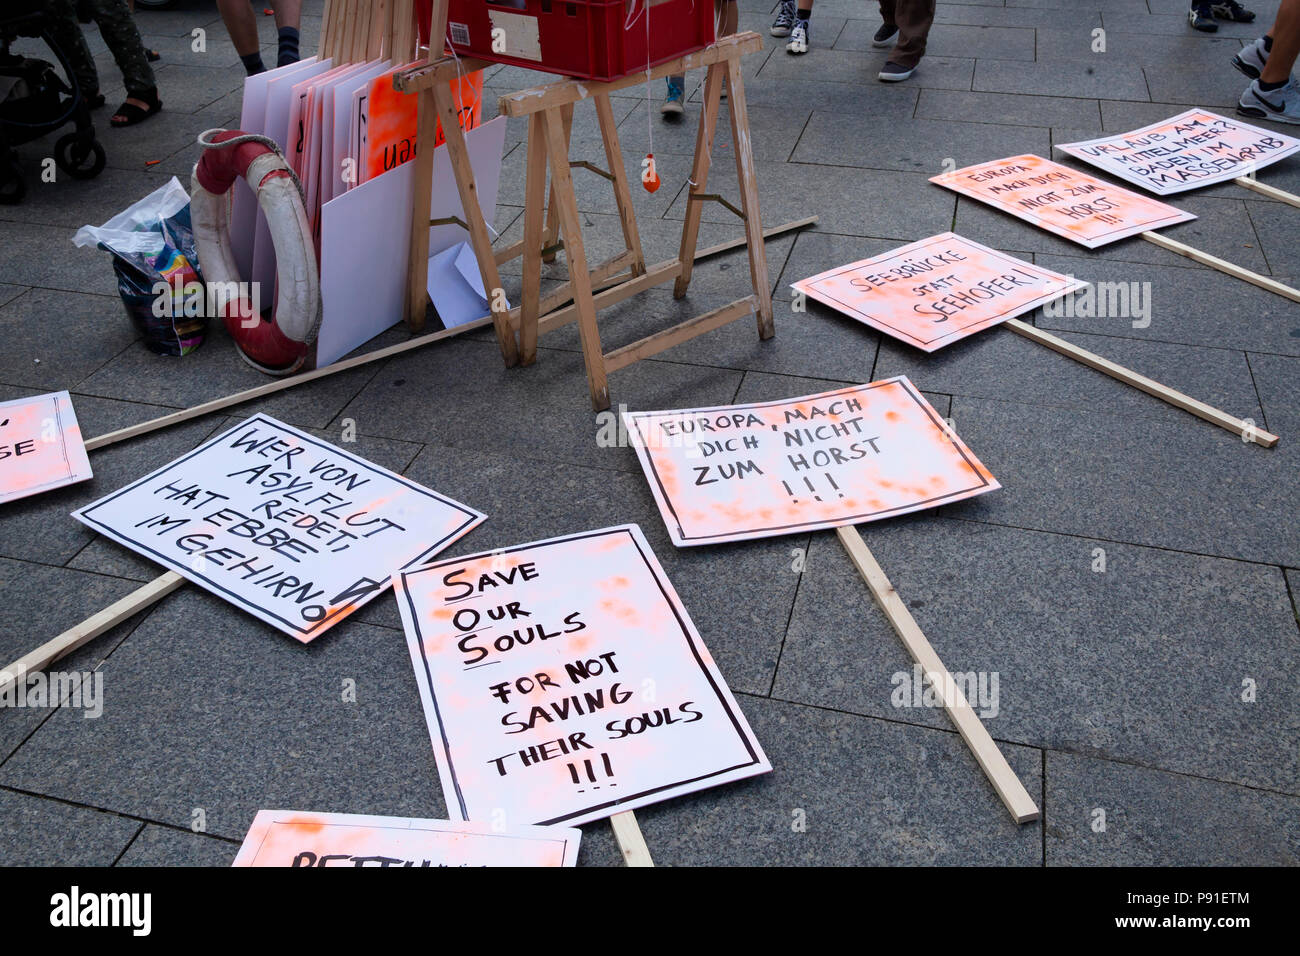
(157, 269)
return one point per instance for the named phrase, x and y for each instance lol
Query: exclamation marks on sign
(813, 488)
(589, 775)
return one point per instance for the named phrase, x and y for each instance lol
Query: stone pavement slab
(69, 835)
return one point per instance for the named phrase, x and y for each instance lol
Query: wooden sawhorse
(557, 224)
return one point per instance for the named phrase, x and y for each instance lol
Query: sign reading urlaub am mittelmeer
(1187, 151)
(1064, 201)
(937, 291)
(564, 682)
(853, 455)
(40, 446)
(296, 839)
(294, 530)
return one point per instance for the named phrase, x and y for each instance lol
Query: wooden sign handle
(630, 840)
(1228, 268)
(1244, 429)
(1272, 192)
(90, 628)
(995, 766)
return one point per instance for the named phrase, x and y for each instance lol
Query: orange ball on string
(649, 177)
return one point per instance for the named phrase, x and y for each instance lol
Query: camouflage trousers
(120, 34)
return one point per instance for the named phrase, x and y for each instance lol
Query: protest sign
(564, 682)
(1062, 200)
(40, 446)
(1193, 149)
(294, 530)
(296, 839)
(856, 454)
(937, 291)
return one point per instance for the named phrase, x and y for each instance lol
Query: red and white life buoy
(278, 346)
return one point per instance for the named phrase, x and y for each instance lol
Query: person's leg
(123, 40)
(799, 32)
(62, 21)
(242, 27)
(1284, 45)
(728, 19)
(288, 15)
(914, 19)
(888, 28)
(1274, 94)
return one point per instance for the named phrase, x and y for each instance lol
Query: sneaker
(798, 38)
(1201, 17)
(1233, 11)
(896, 72)
(1281, 105)
(784, 19)
(675, 102)
(885, 35)
(1251, 59)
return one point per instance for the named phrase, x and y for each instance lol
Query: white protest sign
(1193, 149)
(564, 682)
(40, 446)
(294, 530)
(857, 454)
(937, 291)
(296, 839)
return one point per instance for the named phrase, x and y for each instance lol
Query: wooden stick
(217, 404)
(995, 766)
(1214, 262)
(89, 629)
(1246, 430)
(747, 178)
(699, 178)
(653, 275)
(630, 840)
(740, 241)
(1272, 192)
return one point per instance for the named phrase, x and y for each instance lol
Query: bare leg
(241, 24)
(1286, 43)
(288, 13)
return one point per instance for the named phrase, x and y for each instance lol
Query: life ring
(278, 346)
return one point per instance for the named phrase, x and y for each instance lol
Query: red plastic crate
(588, 39)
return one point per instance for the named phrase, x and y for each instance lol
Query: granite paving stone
(71, 835)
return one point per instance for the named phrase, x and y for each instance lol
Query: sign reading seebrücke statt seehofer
(564, 682)
(1193, 149)
(40, 446)
(937, 291)
(291, 528)
(857, 454)
(1064, 201)
(295, 838)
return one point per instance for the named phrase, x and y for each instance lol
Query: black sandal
(131, 114)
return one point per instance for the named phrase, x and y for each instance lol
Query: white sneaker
(1251, 59)
(1281, 105)
(798, 38)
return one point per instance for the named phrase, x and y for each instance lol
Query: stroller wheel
(78, 158)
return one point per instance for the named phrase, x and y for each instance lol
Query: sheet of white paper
(563, 682)
(294, 530)
(297, 838)
(330, 167)
(365, 241)
(279, 95)
(455, 293)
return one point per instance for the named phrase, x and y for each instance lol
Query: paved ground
(1120, 691)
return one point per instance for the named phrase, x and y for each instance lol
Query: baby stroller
(35, 100)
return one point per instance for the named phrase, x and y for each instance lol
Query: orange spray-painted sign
(40, 446)
(1064, 201)
(937, 291)
(849, 456)
(296, 839)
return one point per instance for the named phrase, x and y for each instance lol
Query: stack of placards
(349, 136)
(40, 446)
